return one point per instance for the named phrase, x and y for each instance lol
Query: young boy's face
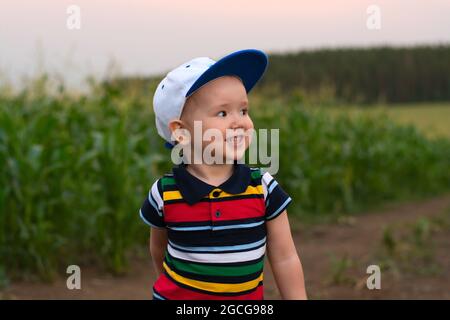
(221, 104)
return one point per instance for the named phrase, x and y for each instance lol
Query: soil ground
(335, 257)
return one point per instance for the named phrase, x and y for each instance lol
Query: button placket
(215, 208)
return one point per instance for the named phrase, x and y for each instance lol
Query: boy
(213, 222)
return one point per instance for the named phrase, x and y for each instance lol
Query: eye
(222, 113)
(244, 111)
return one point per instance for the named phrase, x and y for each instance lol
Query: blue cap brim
(249, 65)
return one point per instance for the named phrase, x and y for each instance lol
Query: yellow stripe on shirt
(250, 190)
(212, 286)
(176, 195)
(172, 195)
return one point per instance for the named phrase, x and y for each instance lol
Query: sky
(137, 37)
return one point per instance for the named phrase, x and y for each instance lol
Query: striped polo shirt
(216, 235)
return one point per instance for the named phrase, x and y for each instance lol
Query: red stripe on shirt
(206, 211)
(170, 290)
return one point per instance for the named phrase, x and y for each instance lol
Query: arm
(158, 245)
(284, 260)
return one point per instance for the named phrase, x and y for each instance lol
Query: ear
(179, 131)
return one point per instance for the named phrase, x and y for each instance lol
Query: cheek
(249, 136)
(202, 125)
(216, 126)
(249, 124)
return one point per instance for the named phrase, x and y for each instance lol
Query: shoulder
(160, 184)
(266, 178)
(276, 199)
(165, 180)
(152, 209)
(268, 182)
(262, 177)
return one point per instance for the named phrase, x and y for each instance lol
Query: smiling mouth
(235, 139)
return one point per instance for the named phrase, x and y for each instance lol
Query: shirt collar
(193, 189)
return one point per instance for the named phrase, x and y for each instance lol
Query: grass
(411, 248)
(74, 172)
(432, 119)
(339, 271)
(75, 169)
(341, 163)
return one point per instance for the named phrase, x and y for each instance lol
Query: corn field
(74, 170)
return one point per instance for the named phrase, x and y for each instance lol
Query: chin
(237, 155)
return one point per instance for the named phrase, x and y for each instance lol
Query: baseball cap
(180, 83)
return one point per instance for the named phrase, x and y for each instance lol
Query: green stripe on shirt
(215, 270)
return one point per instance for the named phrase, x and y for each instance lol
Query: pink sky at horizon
(150, 37)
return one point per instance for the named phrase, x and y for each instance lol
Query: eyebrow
(227, 104)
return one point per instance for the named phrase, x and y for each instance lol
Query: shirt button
(218, 213)
(216, 193)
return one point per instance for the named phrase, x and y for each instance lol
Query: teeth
(235, 139)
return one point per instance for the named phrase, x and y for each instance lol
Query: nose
(237, 122)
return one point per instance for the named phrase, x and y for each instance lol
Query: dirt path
(342, 251)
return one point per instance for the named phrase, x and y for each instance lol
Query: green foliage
(73, 173)
(74, 170)
(411, 248)
(339, 270)
(389, 242)
(362, 75)
(344, 164)
(4, 281)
